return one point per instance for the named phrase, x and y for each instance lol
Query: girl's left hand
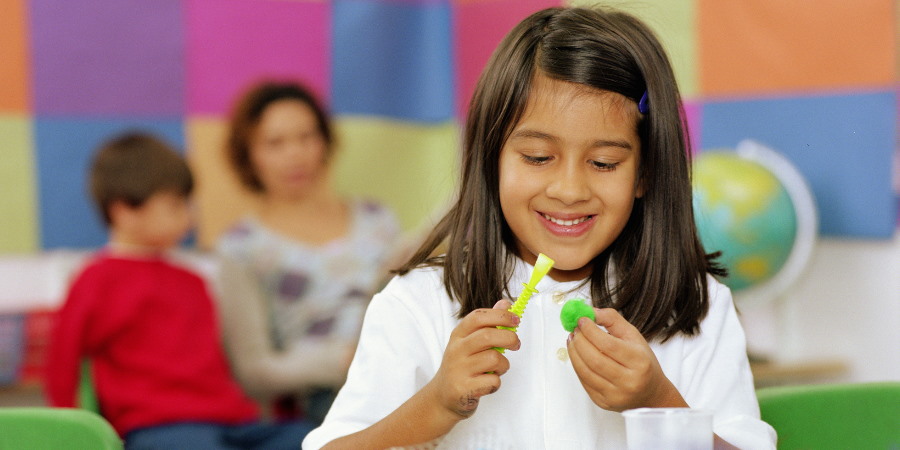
(618, 369)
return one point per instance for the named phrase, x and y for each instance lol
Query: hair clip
(643, 105)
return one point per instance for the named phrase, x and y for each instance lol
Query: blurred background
(814, 81)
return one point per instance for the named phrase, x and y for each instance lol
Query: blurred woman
(296, 273)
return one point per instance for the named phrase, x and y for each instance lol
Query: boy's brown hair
(134, 166)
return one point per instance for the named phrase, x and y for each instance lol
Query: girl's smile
(569, 174)
(571, 225)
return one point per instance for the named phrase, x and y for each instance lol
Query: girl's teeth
(566, 223)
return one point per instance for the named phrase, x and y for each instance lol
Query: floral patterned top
(316, 290)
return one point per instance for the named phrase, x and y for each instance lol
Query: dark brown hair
(659, 282)
(134, 166)
(245, 119)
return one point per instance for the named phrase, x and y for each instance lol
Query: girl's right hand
(471, 367)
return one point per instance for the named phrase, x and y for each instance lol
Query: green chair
(87, 396)
(42, 428)
(834, 416)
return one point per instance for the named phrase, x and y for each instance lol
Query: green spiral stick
(541, 267)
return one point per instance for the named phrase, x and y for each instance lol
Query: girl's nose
(569, 186)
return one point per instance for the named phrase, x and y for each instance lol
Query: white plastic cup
(669, 428)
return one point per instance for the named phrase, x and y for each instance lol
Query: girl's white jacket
(540, 404)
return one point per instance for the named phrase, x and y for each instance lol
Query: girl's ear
(639, 190)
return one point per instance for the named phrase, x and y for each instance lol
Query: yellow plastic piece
(541, 267)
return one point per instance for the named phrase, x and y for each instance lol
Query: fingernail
(584, 321)
(570, 337)
(516, 319)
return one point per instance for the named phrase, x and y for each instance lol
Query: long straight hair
(658, 264)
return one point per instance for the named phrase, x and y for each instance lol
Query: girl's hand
(618, 369)
(471, 368)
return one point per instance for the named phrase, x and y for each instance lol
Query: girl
(575, 148)
(296, 275)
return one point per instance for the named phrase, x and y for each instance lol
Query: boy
(149, 327)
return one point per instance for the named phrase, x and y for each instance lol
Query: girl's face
(288, 150)
(569, 174)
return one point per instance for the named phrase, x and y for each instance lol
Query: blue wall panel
(843, 144)
(392, 59)
(64, 151)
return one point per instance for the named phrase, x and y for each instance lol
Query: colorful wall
(817, 81)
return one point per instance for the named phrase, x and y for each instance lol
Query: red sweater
(151, 330)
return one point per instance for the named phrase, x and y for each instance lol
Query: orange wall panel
(778, 46)
(14, 71)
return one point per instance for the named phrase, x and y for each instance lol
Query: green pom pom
(573, 310)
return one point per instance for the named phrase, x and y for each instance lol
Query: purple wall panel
(107, 57)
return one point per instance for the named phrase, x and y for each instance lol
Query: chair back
(43, 428)
(87, 395)
(834, 416)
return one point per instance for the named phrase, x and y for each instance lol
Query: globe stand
(767, 326)
(807, 224)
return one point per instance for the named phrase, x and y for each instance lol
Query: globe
(745, 212)
(755, 207)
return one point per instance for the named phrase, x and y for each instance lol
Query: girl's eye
(535, 160)
(603, 166)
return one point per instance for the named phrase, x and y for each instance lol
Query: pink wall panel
(478, 27)
(233, 43)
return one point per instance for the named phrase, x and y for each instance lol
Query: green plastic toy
(541, 267)
(573, 310)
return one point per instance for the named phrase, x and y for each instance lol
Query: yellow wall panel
(411, 168)
(18, 210)
(675, 24)
(219, 197)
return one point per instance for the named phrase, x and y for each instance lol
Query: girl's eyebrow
(600, 143)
